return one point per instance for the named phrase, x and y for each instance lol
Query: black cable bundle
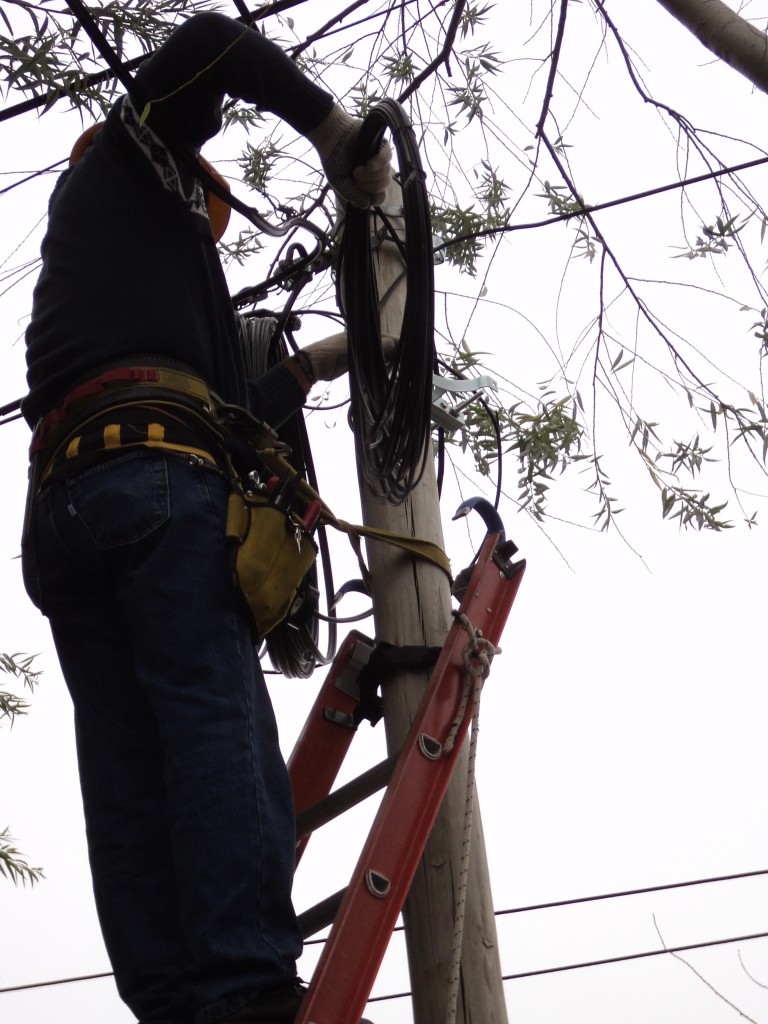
(391, 412)
(292, 646)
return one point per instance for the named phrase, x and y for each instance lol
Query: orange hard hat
(84, 142)
(218, 210)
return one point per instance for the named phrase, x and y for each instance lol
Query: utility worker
(187, 802)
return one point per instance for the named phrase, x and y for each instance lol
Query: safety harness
(272, 511)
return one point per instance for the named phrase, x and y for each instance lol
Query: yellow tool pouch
(272, 555)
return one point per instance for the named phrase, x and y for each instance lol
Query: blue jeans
(187, 802)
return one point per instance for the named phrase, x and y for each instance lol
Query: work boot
(279, 1006)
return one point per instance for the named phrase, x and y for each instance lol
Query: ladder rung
(346, 796)
(321, 915)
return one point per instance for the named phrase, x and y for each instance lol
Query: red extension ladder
(365, 913)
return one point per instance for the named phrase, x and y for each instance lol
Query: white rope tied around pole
(478, 654)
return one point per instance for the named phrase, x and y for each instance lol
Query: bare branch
(443, 57)
(548, 92)
(701, 977)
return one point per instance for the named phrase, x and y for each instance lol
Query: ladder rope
(477, 655)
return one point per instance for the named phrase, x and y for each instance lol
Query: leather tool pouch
(273, 552)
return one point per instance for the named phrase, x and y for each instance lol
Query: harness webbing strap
(168, 382)
(124, 376)
(416, 546)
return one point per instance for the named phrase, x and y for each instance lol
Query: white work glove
(328, 358)
(336, 141)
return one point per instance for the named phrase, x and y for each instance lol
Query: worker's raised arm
(211, 56)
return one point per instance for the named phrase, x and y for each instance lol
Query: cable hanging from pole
(391, 410)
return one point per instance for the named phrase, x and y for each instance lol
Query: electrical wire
(613, 895)
(634, 892)
(598, 963)
(391, 412)
(505, 977)
(519, 910)
(633, 956)
(56, 981)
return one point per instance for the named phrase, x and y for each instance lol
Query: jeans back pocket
(121, 501)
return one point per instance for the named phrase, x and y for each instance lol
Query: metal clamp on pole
(446, 411)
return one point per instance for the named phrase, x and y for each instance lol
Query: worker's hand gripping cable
(362, 182)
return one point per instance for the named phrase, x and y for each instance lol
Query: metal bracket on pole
(446, 411)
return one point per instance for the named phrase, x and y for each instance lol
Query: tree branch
(442, 57)
(730, 37)
(548, 92)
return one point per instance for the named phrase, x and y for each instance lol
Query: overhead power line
(506, 977)
(613, 895)
(600, 963)
(520, 910)
(634, 956)
(633, 892)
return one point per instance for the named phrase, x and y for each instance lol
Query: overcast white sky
(622, 740)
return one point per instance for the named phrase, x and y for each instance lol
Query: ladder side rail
(347, 969)
(323, 743)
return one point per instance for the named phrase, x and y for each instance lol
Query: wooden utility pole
(412, 606)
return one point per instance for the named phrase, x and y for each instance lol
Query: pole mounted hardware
(447, 408)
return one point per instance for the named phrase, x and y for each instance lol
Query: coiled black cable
(293, 645)
(391, 411)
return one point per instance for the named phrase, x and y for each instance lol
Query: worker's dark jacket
(130, 268)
